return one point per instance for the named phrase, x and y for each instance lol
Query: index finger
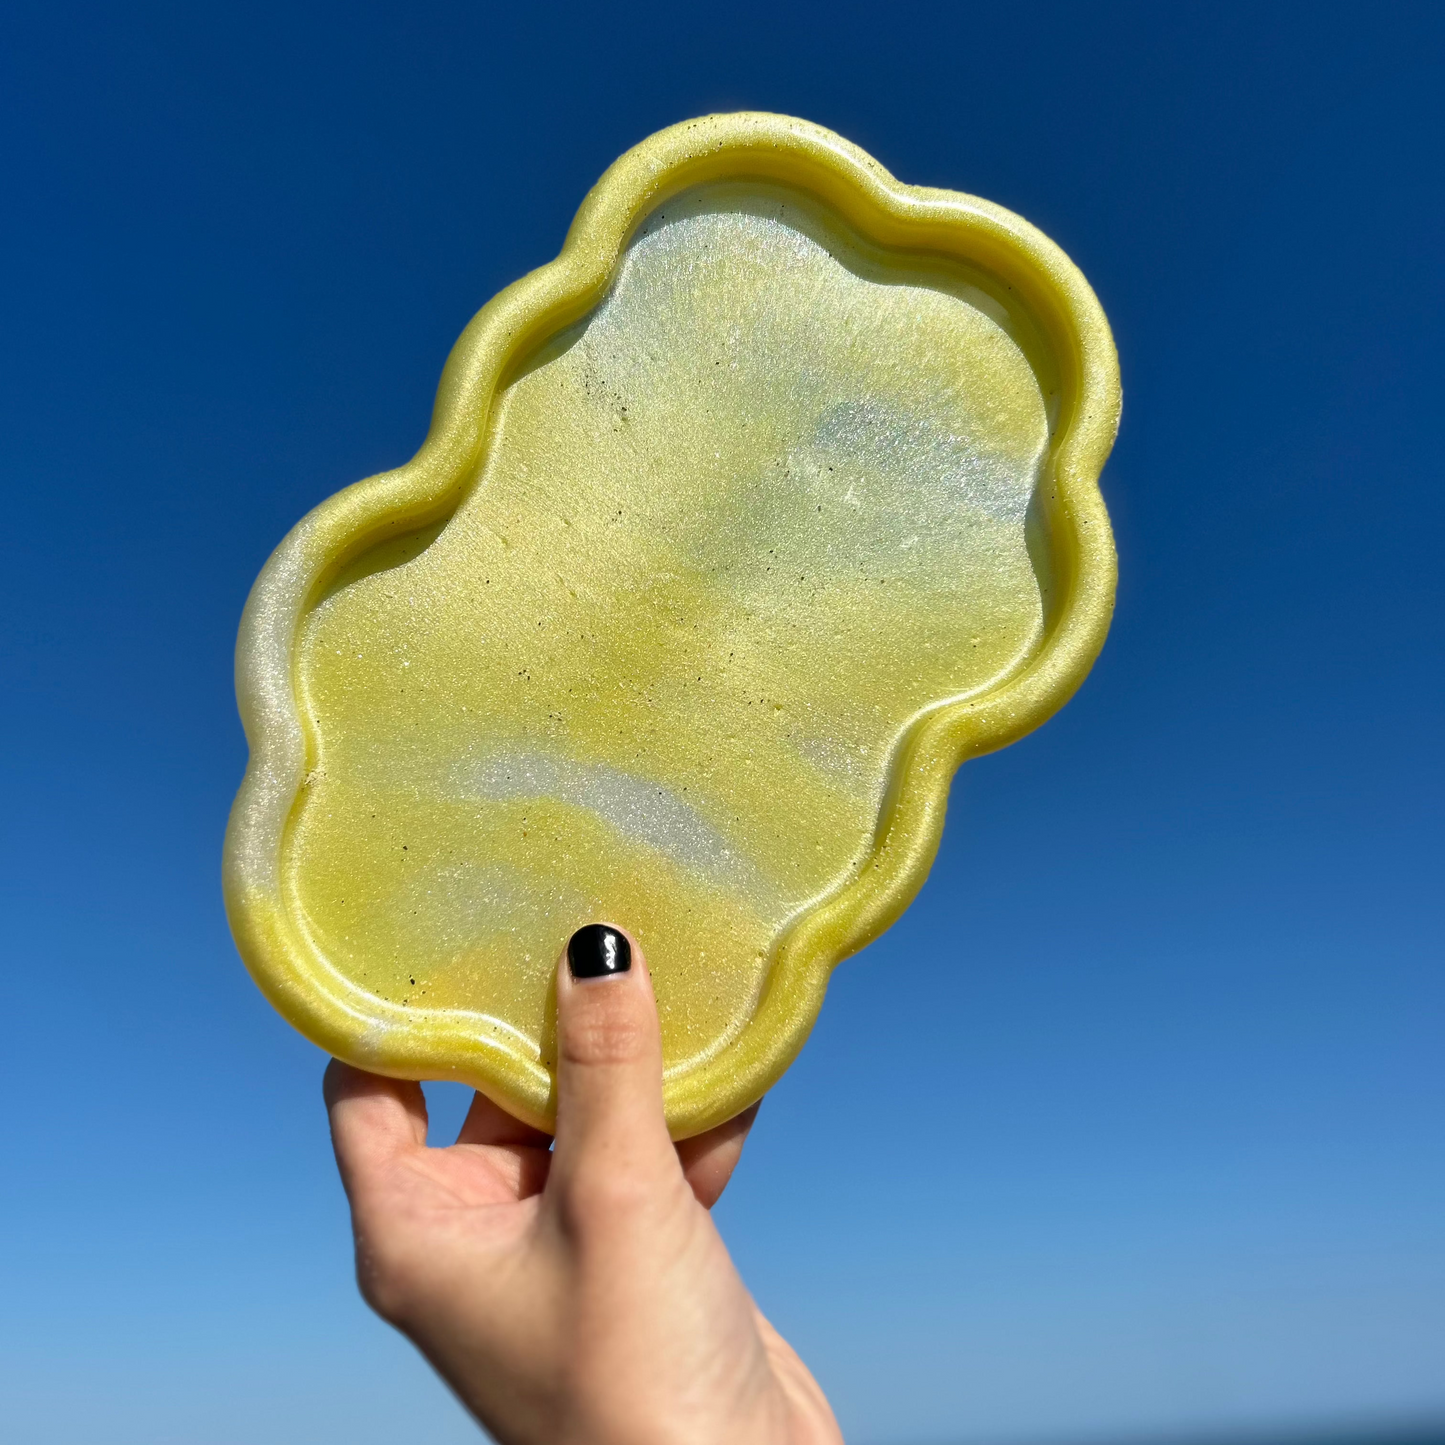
(708, 1160)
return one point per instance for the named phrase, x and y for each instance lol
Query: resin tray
(738, 527)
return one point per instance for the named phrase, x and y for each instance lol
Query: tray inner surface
(729, 536)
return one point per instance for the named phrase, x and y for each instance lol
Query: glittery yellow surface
(733, 539)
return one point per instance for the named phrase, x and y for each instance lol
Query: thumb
(611, 1136)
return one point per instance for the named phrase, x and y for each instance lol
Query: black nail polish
(597, 951)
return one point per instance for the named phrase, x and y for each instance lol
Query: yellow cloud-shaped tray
(738, 527)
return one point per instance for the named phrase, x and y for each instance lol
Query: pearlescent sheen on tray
(739, 526)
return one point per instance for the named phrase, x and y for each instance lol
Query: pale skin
(576, 1291)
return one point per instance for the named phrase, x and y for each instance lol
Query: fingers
(708, 1160)
(373, 1121)
(610, 1129)
(490, 1125)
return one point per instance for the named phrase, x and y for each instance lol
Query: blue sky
(1155, 1146)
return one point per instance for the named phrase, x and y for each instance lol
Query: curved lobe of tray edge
(411, 1043)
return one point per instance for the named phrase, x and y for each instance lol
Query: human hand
(576, 1292)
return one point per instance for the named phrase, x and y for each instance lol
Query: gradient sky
(1134, 1123)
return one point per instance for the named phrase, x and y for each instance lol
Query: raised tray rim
(408, 1043)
